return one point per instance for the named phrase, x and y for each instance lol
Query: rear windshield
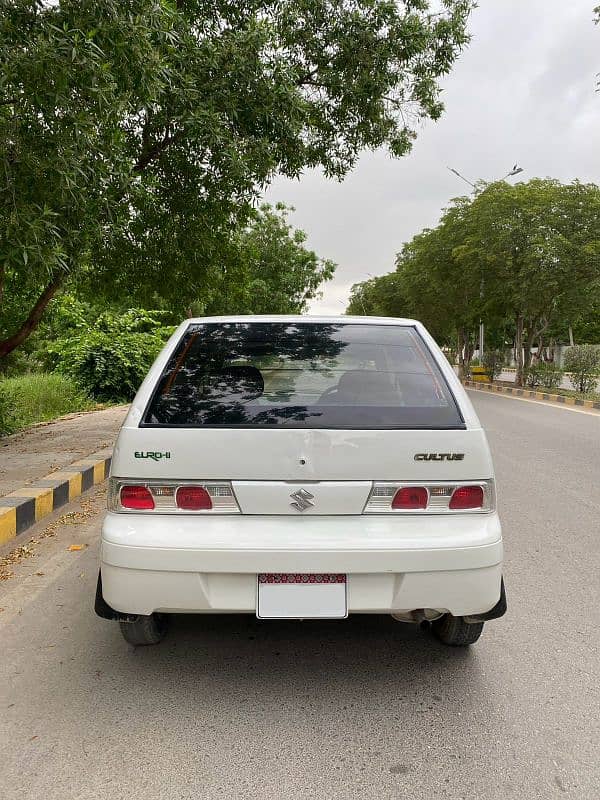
(302, 375)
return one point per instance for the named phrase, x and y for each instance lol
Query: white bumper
(202, 564)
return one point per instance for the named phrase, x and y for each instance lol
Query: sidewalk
(36, 452)
(554, 399)
(508, 374)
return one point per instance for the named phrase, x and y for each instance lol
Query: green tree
(524, 256)
(447, 293)
(429, 284)
(134, 134)
(271, 271)
(380, 296)
(536, 246)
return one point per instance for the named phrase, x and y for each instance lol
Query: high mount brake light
(171, 497)
(432, 498)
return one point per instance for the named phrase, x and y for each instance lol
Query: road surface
(367, 708)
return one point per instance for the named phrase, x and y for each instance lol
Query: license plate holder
(301, 596)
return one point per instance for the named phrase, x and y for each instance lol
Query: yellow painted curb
(74, 479)
(99, 472)
(557, 399)
(21, 509)
(43, 499)
(8, 524)
(75, 485)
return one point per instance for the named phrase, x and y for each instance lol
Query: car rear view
(298, 467)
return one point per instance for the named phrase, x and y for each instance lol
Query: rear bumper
(209, 565)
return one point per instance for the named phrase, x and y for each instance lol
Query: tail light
(466, 497)
(172, 497)
(432, 498)
(409, 498)
(193, 498)
(138, 498)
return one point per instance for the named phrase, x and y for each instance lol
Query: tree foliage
(135, 134)
(271, 271)
(381, 296)
(524, 258)
(110, 359)
(583, 364)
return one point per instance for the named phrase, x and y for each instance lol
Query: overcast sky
(523, 91)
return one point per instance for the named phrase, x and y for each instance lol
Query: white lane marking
(589, 411)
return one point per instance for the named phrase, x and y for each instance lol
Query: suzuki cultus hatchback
(301, 468)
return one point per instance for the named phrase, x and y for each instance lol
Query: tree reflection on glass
(266, 374)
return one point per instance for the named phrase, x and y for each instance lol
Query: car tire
(454, 631)
(145, 630)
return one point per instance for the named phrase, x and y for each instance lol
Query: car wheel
(455, 632)
(145, 630)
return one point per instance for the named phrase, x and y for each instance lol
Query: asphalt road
(367, 708)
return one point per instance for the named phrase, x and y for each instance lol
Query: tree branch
(34, 318)
(151, 153)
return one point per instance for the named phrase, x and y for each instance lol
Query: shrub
(111, 359)
(583, 362)
(6, 417)
(493, 361)
(36, 398)
(544, 374)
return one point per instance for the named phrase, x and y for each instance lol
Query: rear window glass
(302, 375)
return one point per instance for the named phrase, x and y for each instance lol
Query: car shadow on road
(368, 657)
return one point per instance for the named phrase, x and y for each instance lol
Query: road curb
(22, 508)
(560, 399)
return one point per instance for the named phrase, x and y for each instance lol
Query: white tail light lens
(172, 497)
(432, 498)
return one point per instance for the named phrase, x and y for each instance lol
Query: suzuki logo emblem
(302, 500)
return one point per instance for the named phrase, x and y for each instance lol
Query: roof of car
(305, 318)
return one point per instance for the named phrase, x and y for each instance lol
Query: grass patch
(38, 397)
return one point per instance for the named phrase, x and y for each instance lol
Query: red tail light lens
(137, 497)
(466, 497)
(410, 497)
(193, 498)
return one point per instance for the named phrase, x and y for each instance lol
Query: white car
(302, 467)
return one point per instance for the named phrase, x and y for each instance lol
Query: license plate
(301, 596)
